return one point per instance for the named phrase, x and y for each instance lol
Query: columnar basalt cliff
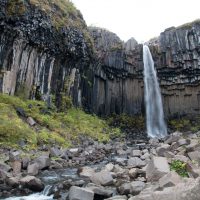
(44, 47)
(177, 59)
(118, 75)
(118, 81)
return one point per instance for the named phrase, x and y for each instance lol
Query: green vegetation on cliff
(51, 127)
(60, 13)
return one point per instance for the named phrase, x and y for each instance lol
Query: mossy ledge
(52, 127)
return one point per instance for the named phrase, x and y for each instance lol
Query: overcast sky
(141, 19)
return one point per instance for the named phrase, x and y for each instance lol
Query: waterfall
(154, 109)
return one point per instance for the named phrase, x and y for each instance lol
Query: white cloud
(142, 19)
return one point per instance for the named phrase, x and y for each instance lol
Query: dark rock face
(118, 79)
(178, 64)
(38, 57)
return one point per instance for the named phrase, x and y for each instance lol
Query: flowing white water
(156, 126)
(37, 196)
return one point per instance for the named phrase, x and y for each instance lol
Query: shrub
(179, 167)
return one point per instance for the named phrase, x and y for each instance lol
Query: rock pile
(167, 169)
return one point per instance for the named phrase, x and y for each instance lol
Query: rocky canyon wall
(45, 49)
(118, 80)
(40, 56)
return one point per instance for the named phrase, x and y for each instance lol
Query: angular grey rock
(194, 156)
(174, 137)
(109, 167)
(86, 172)
(74, 150)
(181, 158)
(25, 162)
(156, 168)
(14, 155)
(3, 175)
(125, 189)
(102, 178)
(77, 193)
(183, 141)
(16, 166)
(162, 149)
(31, 121)
(193, 170)
(188, 190)
(137, 187)
(32, 183)
(117, 197)
(169, 180)
(194, 145)
(13, 181)
(136, 153)
(55, 152)
(100, 191)
(133, 173)
(133, 188)
(33, 169)
(43, 162)
(4, 167)
(136, 162)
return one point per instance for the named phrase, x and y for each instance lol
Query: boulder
(16, 166)
(4, 167)
(133, 188)
(14, 155)
(32, 183)
(86, 172)
(134, 172)
(100, 191)
(162, 149)
(193, 170)
(102, 178)
(136, 153)
(55, 152)
(33, 169)
(136, 162)
(31, 121)
(125, 189)
(13, 181)
(3, 175)
(156, 168)
(169, 180)
(137, 187)
(25, 162)
(77, 193)
(183, 141)
(109, 167)
(174, 137)
(194, 156)
(118, 197)
(188, 190)
(43, 162)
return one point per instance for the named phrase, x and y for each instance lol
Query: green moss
(185, 124)
(180, 124)
(179, 167)
(13, 129)
(125, 121)
(53, 127)
(61, 12)
(16, 7)
(22, 92)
